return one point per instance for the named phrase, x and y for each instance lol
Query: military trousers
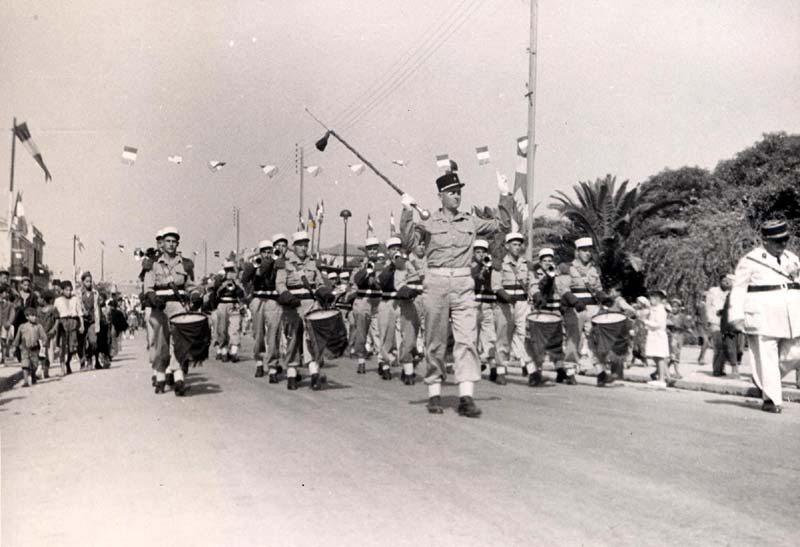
(450, 301)
(510, 324)
(161, 352)
(365, 318)
(394, 315)
(586, 347)
(298, 349)
(772, 358)
(229, 326)
(267, 323)
(487, 335)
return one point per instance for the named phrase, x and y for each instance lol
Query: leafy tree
(609, 215)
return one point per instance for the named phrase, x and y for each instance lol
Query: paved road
(97, 459)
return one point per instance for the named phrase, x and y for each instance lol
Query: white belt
(299, 291)
(515, 292)
(170, 292)
(449, 272)
(265, 293)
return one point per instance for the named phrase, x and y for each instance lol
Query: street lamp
(345, 214)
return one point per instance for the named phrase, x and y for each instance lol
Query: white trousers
(772, 358)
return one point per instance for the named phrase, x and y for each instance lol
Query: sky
(625, 87)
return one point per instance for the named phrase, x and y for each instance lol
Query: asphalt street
(97, 458)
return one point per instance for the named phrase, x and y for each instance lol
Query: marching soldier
(147, 265)
(449, 288)
(297, 285)
(512, 285)
(486, 300)
(417, 259)
(345, 295)
(548, 289)
(168, 286)
(585, 285)
(229, 294)
(368, 297)
(765, 305)
(266, 311)
(397, 307)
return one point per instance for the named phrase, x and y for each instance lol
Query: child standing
(6, 324)
(70, 324)
(677, 328)
(657, 344)
(30, 341)
(48, 319)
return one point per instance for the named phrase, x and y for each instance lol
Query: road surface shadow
(452, 401)
(199, 385)
(753, 405)
(330, 385)
(6, 400)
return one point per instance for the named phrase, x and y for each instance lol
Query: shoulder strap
(777, 271)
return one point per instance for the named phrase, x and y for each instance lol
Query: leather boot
(160, 387)
(170, 379)
(386, 372)
(535, 379)
(435, 405)
(180, 388)
(273, 378)
(410, 379)
(493, 374)
(561, 375)
(362, 368)
(468, 408)
(291, 383)
(318, 381)
(260, 371)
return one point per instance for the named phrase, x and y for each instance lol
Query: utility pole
(236, 225)
(205, 258)
(531, 95)
(74, 259)
(102, 262)
(300, 169)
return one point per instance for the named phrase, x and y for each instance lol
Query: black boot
(362, 368)
(604, 379)
(561, 375)
(410, 379)
(318, 381)
(180, 388)
(45, 372)
(160, 387)
(170, 379)
(535, 379)
(524, 370)
(493, 374)
(500, 379)
(260, 371)
(279, 369)
(386, 372)
(153, 380)
(69, 370)
(468, 408)
(97, 365)
(570, 379)
(291, 383)
(435, 405)
(273, 378)
(770, 406)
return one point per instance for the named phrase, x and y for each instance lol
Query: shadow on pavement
(451, 401)
(6, 400)
(199, 385)
(753, 405)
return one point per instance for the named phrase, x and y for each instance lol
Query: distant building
(23, 252)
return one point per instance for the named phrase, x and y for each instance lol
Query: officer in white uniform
(765, 305)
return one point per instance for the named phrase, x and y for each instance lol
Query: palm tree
(609, 215)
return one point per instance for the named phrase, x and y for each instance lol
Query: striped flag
(80, 244)
(216, 254)
(24, 135)
(401, 163)
(18, 221)
(370, 227)
(483, 155)
(311, 220)
(195, 253)
(392, 225)
(520, 192)
(314, 170)
(121, 248)
(129, 154)
(270, 170)
(357, 168)
(320, 211)
(175, 159)
(216, 165)
(443, 162)
(102, 243)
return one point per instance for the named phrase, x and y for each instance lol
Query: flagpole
(319, 235)
(102, 262)
(11, 191)
(205, 258)
(299, 152)
(531, 96)
(74, 259)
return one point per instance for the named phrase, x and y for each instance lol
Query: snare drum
(191, 335)
(610, 331)
(545, 336)
(327, 333)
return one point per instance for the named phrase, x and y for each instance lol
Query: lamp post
(345, 214)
